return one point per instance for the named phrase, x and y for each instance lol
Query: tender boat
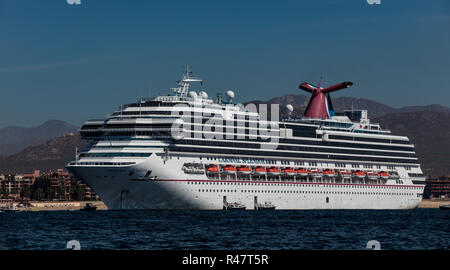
(213, 169)
(316, 173)
(9, 208)
(345, 174)
(89, 207)
(244, 170)
(260, 170)
(445, 207)
(359, 174)
(384, 175)
(228, 169)
(372, 175)
(234, 206)
(273, 171)
(328, 173)
(302, 172)
(265, 206)
(289, 171)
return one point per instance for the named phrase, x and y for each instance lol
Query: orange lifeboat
(328, 173)
(260, 170)
(316, 173)
(359, 174)
(344, 174)
(302, 172)
(229, 169)
(244, 170)
(289, 171)
(213, 169)
(372, 175)
(273, 171)
(384, 175)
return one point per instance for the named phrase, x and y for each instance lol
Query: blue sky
(75, 62)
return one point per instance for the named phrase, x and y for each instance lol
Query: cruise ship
(185, 150)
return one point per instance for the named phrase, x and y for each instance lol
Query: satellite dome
(230, 94)
(240, 105)
(192, 94)
(203, 94)
(289, 107)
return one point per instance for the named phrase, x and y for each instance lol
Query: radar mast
(183, 85)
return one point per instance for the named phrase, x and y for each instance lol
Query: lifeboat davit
(372, 175)
(273, 171)
(302, 172)
(213, 169)
(260, 170)
(359, 174)
(384, 175)
(316, 173)
(289, 171)
(228, 169)
(328, 173)
(244, 170)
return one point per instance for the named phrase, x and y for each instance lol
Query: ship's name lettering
(241, 160)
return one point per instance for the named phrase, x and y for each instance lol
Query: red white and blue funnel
(319, 105)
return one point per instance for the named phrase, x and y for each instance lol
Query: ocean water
(223, 230)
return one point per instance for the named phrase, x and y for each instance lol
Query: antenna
(219, 98)
(149, 88)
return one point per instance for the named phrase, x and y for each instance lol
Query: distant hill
(374, 108)
(51, 155)
(14, 139)
(430, 133)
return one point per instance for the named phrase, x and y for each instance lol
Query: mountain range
(375, 109)
(14, 139)
(428, 128)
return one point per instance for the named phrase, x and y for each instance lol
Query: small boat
(328, 173)
(229, 169)
(9, 208)
(89, 207)
(213, 169)
(359, 174)
(384, 175)
(344, 174)
(273, 171)
(244, 170)
(265, 206)
(302, 172)
(289, 171)
(316, 173)
(260, 170)
(445, 207)
(372, 175)
(234, 206)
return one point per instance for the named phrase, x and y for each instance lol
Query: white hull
(175, 189)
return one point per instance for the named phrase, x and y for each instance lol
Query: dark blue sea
(223, 230)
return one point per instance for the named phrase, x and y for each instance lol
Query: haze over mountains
(15, 139)
(375, 109)
(428, 128)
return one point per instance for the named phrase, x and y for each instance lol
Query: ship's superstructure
(188, 151)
